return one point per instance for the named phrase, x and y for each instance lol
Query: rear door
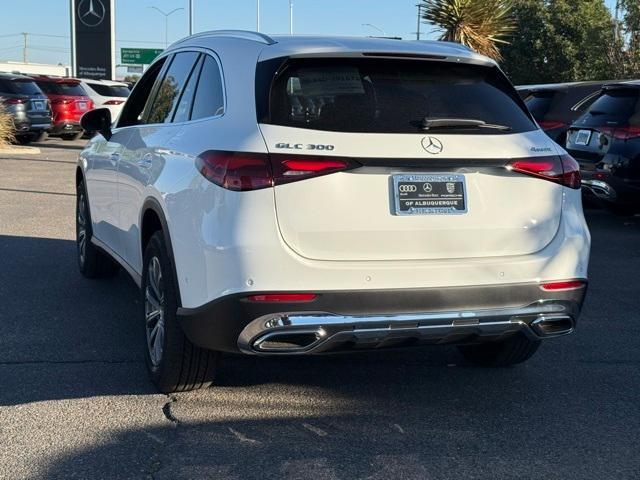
(418, 194)
(610, 121)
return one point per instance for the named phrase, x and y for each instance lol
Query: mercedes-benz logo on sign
(91, 12)
(432, 145)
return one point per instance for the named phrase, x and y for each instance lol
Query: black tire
(41, 137)
(24, 139)
(92, 262)
(513, 350)
(175, 364)
(71, 136)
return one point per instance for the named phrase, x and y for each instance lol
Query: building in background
(35, 68)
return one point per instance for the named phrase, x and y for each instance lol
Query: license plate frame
(38, 105)
(582, 134)
(428, 194)
(82, 105)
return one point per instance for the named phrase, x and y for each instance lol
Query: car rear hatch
(68, 99)
(399, 189)
(36, 103)
(614, 117)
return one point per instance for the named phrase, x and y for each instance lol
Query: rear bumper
(65, 127)
(355, 320)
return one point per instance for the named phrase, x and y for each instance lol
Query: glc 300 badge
(432, 145)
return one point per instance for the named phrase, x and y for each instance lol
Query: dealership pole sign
(93, 38)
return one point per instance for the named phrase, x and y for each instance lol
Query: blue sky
(47, 21)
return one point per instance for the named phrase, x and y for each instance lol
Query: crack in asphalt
(166, 409)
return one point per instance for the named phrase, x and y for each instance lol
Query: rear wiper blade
(435, 123)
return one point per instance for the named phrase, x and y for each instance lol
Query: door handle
(146, 161)
(114, 158)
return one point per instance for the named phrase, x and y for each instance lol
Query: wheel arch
(153, 219)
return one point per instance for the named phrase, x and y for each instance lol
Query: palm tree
(478, 24)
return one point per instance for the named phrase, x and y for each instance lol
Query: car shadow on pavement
(61, 331)
(65, 145)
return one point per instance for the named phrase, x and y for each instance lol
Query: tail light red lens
(60, 101)
(15, 101)
(551, 125)
(235, 170)
(241, 171)
(563, 285)
(622, 133)
(563, 170)
(283, 297)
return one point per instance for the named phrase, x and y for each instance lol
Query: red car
(69, 102)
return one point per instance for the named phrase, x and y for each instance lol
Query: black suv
(606, 143)
(28, 106)
(556, 106)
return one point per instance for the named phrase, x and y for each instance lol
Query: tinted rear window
(539, 104)
(109, 90)
(391, 96)
(74, 89)
(19, 87)
(619, 106)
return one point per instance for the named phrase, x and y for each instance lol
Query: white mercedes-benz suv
(294, 195)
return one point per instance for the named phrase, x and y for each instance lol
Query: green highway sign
(138, 56)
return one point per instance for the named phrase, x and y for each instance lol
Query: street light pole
(384, 34)
(190, 17)
(419, 15)
(257, 15)
(166, 22)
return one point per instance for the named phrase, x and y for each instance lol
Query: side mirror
(98, 120)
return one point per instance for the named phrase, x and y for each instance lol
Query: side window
(209, 98)
(132, 111)
(183, 107)
(169, 88)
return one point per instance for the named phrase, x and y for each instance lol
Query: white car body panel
(302, 236)
(100, 100)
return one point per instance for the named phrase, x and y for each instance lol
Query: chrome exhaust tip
(288, 341)
(553, 326)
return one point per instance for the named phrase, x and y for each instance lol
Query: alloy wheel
(154, 311)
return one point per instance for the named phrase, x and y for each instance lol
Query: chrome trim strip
(433, 326)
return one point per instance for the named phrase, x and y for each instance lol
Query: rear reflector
(283, 297)
(563, 285)
(241, 171)
(563, 170)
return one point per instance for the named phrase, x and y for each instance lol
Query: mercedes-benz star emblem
(91, 12)
(432, 145)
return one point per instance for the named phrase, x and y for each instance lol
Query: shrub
(6, 126)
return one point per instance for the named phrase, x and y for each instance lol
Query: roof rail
(244, 34)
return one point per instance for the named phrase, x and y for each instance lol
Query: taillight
(563, 285)
(16, 101)
(551, 125)
(235, 170)
(241, 171)
(563, 170)
(60, 101)
(113, 102)
(283, 297)
(622, 133)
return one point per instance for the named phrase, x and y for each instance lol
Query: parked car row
(43, 105)
(599, 125)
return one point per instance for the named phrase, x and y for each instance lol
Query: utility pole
(24, 48)
(290, 17)
(419, 20)
(257, 15)
(190, 17)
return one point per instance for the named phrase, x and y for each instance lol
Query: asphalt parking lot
(75, 400)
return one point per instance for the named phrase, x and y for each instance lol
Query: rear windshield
(614, 107)
(391, 96)
(19, 87)
(539, 104)
(109, 90)
(53, 88)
